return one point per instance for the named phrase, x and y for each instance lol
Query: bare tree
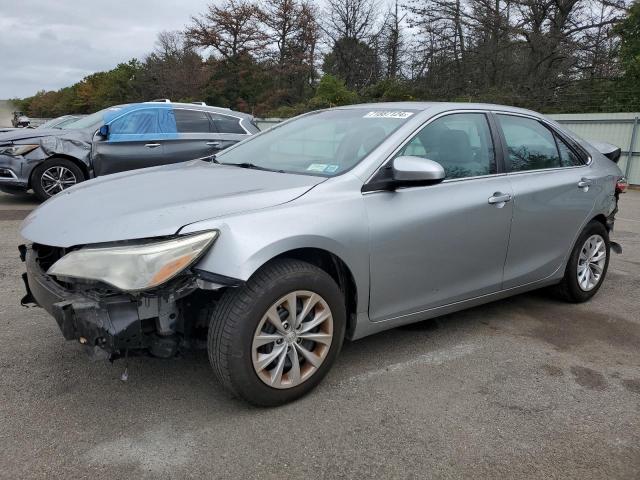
(308, 38)
(293, 30)
(231, 29)
(353, 19)
(392, 41)
(173, 70)
(350, 26)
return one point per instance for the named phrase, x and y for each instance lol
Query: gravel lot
(525, 387)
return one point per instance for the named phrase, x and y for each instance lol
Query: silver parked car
(339, 223)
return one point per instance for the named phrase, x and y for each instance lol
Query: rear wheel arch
(567, 288)
(601, 219)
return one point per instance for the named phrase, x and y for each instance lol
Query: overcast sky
(49, 44)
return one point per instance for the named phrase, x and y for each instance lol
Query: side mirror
(103, 131)
(414, 171)
(610, 151)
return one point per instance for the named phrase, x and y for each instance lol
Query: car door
(198, 136)
(135, 140)
(440, 244)
(553, 196)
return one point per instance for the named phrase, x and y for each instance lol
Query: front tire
(587, 266)
(262, 353)
(53, 176)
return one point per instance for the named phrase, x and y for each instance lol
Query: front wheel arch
(236, 320)
(337, 269)
(80, 164)
(36, 176)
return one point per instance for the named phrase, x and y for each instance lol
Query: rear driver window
(530, 145)
(192, 121)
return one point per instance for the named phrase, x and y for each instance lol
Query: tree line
(284, 57)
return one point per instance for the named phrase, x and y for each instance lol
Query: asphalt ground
(527, 387)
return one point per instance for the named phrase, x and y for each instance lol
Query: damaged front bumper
(11, 172)
(111, 325)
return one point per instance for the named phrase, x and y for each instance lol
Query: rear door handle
(584, 183)
(152, 145)
(214, 144)
(499, 199)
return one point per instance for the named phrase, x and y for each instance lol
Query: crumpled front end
(110, 323)
(16, 168)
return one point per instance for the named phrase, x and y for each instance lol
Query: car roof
(421, 106)
(118, 110)
(197, 106)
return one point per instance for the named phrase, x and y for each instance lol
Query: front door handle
(499, 199)
(584, 183)
(152, 145)
(214, 144)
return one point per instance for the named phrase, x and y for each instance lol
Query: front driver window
(136, 123)
(460, 142)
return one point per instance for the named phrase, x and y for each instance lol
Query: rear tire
(243, 336)
(53, 176)
(586, 269)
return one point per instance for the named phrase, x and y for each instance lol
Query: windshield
(95, 120)
(59, 122)
(325, 143)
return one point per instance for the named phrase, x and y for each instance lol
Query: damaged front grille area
(46, 256)
(161, 321)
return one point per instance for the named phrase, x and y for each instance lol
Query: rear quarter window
(226, 124)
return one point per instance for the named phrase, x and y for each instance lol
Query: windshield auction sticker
(316, 167)
(388, 114)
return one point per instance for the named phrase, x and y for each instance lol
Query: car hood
(156, 202)
(20, 134)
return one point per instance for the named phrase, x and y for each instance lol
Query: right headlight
(135, 267)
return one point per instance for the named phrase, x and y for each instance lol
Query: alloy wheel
(292, 339)
(591, 262)
(55, 179)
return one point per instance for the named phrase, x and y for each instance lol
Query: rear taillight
(621, 185)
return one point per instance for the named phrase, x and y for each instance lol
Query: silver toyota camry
(337, 224)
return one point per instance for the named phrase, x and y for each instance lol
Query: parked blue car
(116, 139)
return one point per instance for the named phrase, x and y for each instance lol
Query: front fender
(248, 241)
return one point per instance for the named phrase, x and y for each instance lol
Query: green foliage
(390, 90)
(332, 92)
(93, 93)
(239, 83)
(629, 32)
(353, 61)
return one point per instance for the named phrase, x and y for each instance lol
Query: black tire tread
(230, 311)
(37, 172)
(563, 290)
